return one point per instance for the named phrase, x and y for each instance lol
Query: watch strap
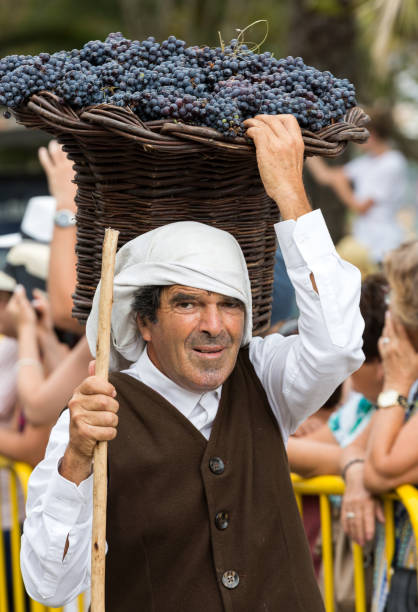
(403, 401)
(388, 399)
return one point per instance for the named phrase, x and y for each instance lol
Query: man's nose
(211, 320)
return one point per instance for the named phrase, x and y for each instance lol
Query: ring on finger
(385, 340)
(350, 515)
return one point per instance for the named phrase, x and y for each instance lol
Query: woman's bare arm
(322, 434)
(46, 402)
(28, 445)
(310, 458)
(43, 397)
(392, 452)
(377, 483)
(62, 262)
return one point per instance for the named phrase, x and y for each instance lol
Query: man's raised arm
(301, 372)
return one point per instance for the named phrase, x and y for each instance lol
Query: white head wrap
(185, 253)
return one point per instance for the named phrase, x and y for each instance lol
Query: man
(201, 509)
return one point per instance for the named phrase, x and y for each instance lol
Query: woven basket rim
(166, 134)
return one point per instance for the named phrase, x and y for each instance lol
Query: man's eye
(232, 304)
(185, 305)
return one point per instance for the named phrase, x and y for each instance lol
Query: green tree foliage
(32, 26)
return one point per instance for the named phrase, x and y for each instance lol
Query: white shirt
(298, 373)
(381, 178)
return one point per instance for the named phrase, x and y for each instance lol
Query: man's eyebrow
(184, 297)
(232, 299)
(236, 301)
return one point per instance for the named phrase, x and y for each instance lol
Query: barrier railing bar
(80, 602)
(4, 607)
(35, 606)
(18, 590)
(327, 553)
(389, 534)
(299, 503)
(359, 581)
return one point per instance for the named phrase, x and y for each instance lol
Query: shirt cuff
(67, 502)
(304, 240)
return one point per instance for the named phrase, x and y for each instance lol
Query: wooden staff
(100, 452)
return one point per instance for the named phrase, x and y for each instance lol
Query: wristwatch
(64, 218)
(389, 398)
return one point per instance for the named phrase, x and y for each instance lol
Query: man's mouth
(209, 350)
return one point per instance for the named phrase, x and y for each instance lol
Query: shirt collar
(184, 400)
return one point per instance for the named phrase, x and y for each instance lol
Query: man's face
(196, 338)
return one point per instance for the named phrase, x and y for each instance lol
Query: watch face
(387, 399)
(64, 218)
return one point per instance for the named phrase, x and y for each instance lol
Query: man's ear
(144, 327)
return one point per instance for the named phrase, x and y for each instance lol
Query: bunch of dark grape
(214, 87)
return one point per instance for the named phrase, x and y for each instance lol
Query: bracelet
(28, 361)
(348, 465)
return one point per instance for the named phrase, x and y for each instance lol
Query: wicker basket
(135, 177)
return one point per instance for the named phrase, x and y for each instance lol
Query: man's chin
(208, 379)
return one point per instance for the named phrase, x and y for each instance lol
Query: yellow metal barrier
(19, 476)
(323, 486)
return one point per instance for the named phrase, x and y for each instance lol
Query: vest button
(230, 579)
(216, 465)
(222, 520)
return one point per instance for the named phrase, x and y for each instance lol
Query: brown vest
(204, 525)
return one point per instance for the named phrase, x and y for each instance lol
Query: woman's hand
(42, 307)
(20, 309)
(359, 509)
(399, 358)
(60, 174)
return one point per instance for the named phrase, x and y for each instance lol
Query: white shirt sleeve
(299, 373)
(56, 508)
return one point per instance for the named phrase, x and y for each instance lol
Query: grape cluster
(214, 87)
